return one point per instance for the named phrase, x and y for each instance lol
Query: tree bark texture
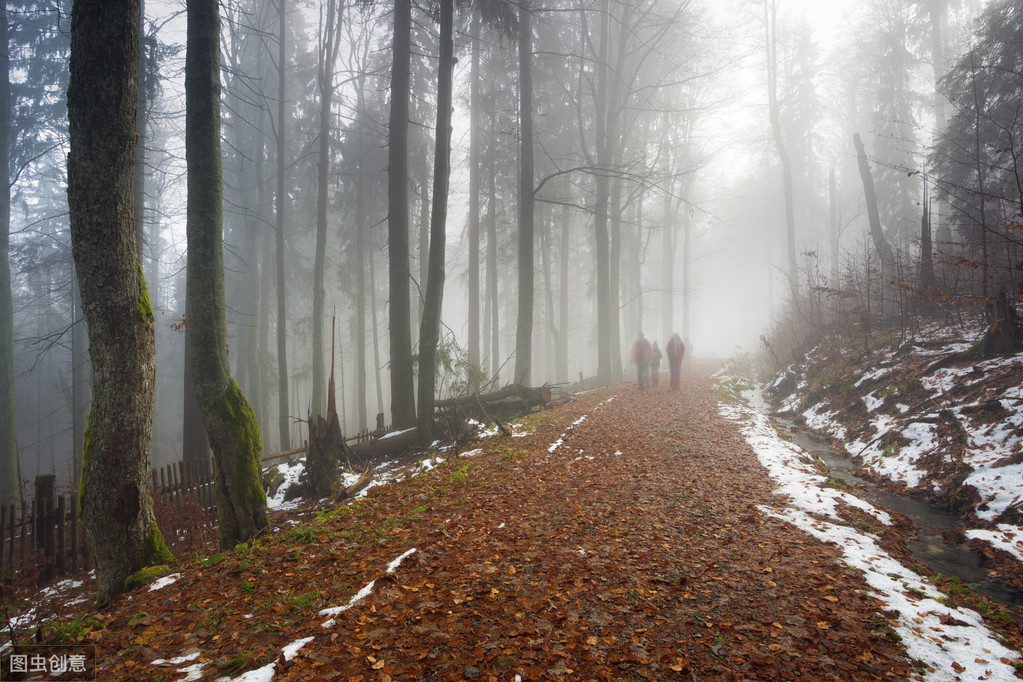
(403, 406)
(8, 423)
(524, 326)
(429, 334)
(230, 423)
(282, 297)
(114, 500)
(325, 79)
(475, 96)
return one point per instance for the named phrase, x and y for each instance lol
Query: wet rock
(953, 536)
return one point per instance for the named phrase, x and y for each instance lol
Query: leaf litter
(671, 554)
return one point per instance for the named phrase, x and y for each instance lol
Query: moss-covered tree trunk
(230, 423)
(8, 430)
(114, 499)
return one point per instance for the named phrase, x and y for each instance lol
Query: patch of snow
(1006, 537)
(391, 567)
(266, 673)
(471, 453)
(337, 610)
(579, 421)
(872, 402)
(556, 444)
(792, 467)
(970, 646)
(192, 673)
(183, 658)
(394, 434)
(291, 472)
(999, 487)
(164, 581)
(870, 376)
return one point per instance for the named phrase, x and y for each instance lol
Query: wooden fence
(45, 540)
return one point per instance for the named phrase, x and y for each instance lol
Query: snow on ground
(1006, 537)
(991, 444)
(794, 469)
(164, 581)
(266, 673)
(954, 643)
(291, 472)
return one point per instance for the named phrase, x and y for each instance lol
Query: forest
(217, 209)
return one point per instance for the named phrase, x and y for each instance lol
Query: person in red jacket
(675, 351)
(642, 356)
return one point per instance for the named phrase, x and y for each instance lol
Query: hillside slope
(926, 417)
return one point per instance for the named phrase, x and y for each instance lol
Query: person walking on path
(642, 356)
(675, 350)
(655, 365)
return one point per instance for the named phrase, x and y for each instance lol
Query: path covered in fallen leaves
(620, 539)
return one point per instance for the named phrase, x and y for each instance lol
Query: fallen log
(512, 395)
(396, 441)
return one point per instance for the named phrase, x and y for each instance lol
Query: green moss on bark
(143, 306)
(145, 575)
(156, 551)
(241, 420)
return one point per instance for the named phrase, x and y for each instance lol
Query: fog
(692, 159)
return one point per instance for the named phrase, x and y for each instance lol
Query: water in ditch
(928, 545)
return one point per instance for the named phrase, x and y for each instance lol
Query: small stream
(928, 546)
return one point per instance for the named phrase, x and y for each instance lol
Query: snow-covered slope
(928, 415)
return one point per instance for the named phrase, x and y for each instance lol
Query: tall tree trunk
(282, 299)
(429, 334)
(774, 111)
(978, 106)
(403, 404)
(140, 141)
(614, 314)
(493, 302)
(834, 227)
(605, 364)
(232, 427)
(362, 254)
(550, 330)
(8, 422)
(325, 80)
(423, 237)
(377, 364)
(873, 217)
(668, 268)
(195, 445)
(81, 378)
(562, 351)
(474, 192)
(926, 254)
(524, 326)
(114, 499)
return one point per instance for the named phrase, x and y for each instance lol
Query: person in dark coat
(655, 365)
(676, 350)
(642, 356)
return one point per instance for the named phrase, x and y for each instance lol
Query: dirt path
(633, 549)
